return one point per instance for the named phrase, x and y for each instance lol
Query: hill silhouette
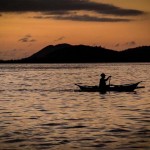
(139, 54)
(72, 54)
(66, 53)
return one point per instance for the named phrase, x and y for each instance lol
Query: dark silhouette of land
(66, 53)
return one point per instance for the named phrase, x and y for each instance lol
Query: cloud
(0, 15)
(90, 18)
(42, 17)
(84, 18)
(75, 10)
(59, 39)
(117, 45)
(129, 44)
(132, 43)
(62, 6)
(26, 39)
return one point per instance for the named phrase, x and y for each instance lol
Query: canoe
(117, 88)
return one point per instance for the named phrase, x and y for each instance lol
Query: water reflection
(41, 108)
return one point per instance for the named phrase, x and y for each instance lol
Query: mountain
(66, 53)
(47, 51)
(139, 54)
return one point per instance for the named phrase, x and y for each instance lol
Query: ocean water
(42, 109)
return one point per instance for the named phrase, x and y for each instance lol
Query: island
(66, 53)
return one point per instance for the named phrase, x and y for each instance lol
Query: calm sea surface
(42, 109)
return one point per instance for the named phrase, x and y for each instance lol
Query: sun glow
(43, 30)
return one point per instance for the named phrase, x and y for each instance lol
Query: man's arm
(107, 78)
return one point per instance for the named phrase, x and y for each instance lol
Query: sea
(41, 108)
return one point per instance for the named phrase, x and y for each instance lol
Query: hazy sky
(26, 26)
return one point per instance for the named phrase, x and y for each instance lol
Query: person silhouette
(102, 83)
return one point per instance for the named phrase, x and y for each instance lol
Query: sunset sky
(26, 26)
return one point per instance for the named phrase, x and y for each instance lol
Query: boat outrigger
(117, 88)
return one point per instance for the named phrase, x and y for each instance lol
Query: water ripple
(42, 109)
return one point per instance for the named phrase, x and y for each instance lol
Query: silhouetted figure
(102, 83)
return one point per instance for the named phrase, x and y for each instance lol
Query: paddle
(109, 80)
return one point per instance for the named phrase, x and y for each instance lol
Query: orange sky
(25, 32)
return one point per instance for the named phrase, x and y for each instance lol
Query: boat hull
(117, 88)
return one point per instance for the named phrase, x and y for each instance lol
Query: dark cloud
(42, 17)
(26, 39)
(84, 18)
(58, 13)
(131, 43)
(59, 39)
(62, 6)
(90, 18)
(117, 45)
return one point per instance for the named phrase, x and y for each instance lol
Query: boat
(117, 88)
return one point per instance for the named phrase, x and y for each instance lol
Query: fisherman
(102, 83)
